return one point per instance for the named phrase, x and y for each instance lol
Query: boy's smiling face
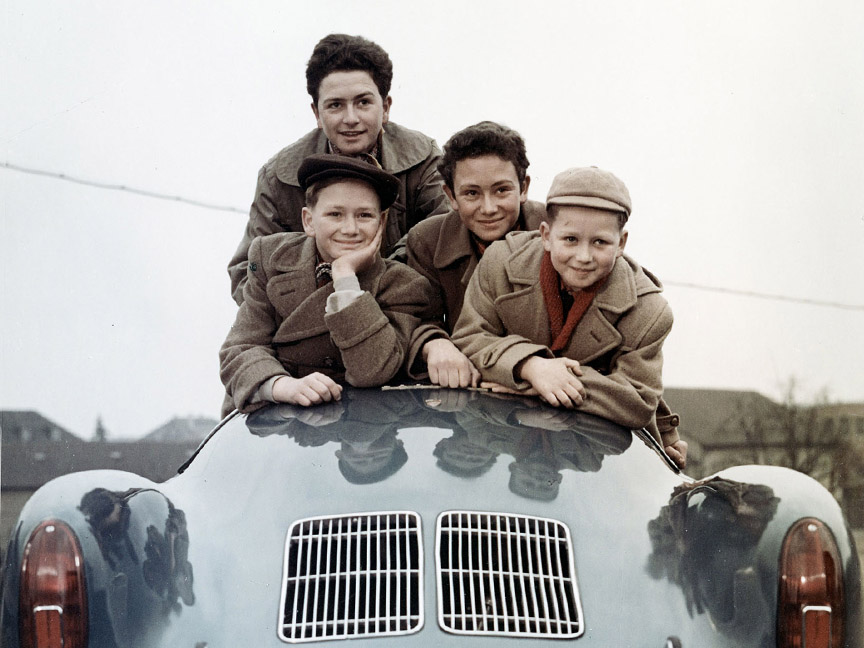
(345, 217)
(487, 194)
(351, 111)
(583, 243)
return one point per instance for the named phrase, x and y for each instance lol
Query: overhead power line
(198, 203)
(119, 187)
(758, 295)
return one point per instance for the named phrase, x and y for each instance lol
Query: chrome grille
(502, 574)
(352, 576)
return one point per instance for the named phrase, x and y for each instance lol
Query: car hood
(199, 560)
(420, 452)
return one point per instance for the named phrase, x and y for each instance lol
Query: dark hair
(343, 53)
(485, 138)
(552, 214)
(397, 459)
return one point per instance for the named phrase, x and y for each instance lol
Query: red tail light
(53, 596)
(810, 606)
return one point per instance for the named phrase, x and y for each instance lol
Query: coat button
(328, 362)
(253, 267)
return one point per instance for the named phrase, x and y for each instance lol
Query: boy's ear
(545, 235)
(307, 222)
(449, 193)
(317, 116)
(621, 243)
(523, 195)
(388, 101)
(382, 227)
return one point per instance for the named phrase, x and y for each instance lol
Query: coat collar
(401, 149)
(625, 283)
(596, 333)
(297, 256)
(454, 239)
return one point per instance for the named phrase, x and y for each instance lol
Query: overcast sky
(737, 126)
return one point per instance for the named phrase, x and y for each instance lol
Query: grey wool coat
(618, 341)
(281, 326)
(409, 155)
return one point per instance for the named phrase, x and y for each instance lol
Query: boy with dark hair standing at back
(564, 313)
(348, 78)
(485, 179)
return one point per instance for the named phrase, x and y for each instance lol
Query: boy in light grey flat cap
(564, 314)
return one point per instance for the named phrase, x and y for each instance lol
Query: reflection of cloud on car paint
(705, 542)
(143, 539)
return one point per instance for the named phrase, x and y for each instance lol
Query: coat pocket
(282, 291)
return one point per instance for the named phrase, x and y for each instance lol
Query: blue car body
(215, 555)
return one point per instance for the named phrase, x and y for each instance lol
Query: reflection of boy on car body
(297, 332)
(565, 314)
(484, 169)
(363, 425)
(348, 78)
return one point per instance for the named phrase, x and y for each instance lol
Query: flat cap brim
(316, 168)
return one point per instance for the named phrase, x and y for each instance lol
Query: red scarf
(550, 284)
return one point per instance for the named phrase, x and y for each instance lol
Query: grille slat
(507, 575)
(399, 582)
(551, 616)
(378, 588)
(352, 576)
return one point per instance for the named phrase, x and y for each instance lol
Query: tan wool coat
(281, 325)
(409, 155)
(618, 341)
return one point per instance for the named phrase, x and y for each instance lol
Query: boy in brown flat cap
(565, 314)
(323, 306)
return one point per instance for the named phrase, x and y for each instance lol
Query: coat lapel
(454, 242)
(523, 309)
(298, 299)
(307, 318)
(294, 294)
(596, 334)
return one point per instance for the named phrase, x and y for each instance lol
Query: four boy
(560, 313)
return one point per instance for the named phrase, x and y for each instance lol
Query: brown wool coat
(409, 155)
(618, 341)
(440, 249)
(281, 325)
